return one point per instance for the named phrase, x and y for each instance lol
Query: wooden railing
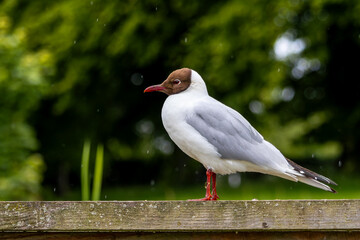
(276, 219)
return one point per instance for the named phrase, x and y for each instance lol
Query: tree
(22, 85)
(106, 52)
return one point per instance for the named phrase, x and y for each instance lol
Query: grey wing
(225, 129)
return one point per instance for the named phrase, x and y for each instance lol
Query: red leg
(214, 194)
(208, 196)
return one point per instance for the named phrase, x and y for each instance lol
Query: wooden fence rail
(290, 219)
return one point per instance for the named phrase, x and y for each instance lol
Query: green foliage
(22, 85)
(105, 52)
(98, 172)
(85, 159)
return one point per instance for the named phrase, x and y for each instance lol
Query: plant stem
(98, 172)
(85, 187)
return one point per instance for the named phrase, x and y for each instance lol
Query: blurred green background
(72, 70)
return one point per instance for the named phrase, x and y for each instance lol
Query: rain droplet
(75, 42)
(152, 182)
(185, 40)
(54, 189)
(97, 19)
(340, 163)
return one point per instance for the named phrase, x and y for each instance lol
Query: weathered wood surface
(183, 235)
(181, 216)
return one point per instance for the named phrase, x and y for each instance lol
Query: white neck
(197, 84)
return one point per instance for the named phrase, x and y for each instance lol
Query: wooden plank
(181, 216)
(183, 235)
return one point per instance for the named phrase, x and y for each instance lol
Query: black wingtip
(333, 183)
(310, 174)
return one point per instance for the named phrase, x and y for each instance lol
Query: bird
(219, 137)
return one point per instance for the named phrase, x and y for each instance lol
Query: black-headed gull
(221, 138)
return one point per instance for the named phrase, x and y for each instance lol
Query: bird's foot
(214, 197)
(209, 198)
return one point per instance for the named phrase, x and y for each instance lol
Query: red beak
(154, 88)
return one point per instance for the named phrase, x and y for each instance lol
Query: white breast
(174, 112)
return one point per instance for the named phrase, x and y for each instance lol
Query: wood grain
(181, 216)
(182, 235)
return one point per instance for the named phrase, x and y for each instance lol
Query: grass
(98, 172)
(85, 185)
(263, 188)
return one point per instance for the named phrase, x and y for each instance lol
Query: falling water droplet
(54, 189)
(185, 40)
(340, 163)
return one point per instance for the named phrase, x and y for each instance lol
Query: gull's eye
(176, 81)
